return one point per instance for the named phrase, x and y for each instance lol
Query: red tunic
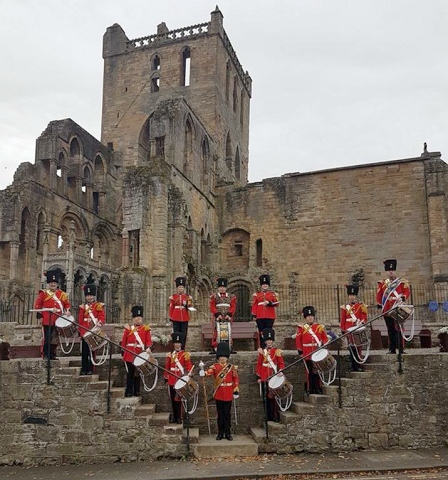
(229, 383)
(224, 299)
(172, 366)
(387, 295)
(179, 304)
(352, 315)
(48, 299)
(264, 368)
(84, 316)
(259, 309)
(130, 342)
(306, 342)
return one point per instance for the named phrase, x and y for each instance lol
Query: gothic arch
(76, 148)
(228, 155)
(237, 164)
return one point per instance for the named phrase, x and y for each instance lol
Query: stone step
(98, 385)
(361, 375)
(331, 390)
(286, 417)
(277, 427)
(264, 445)
(302, 408)
(145, 409)
(117, 392)
(315, 399)
(161, 418)
(172, 429)
(241, 446)
(63, 370)
(125, 407)
(193, 435)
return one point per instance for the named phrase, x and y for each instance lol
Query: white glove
(201, 373)
(236, 395)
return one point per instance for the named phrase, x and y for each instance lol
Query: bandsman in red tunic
(353, 314)
(391, 291)
(136, 339)
(225, 389)
(264, 304)
(309, 338)
(269, 362)
(90, 315)
(57, 300)
(177, 365)
(222, 309)
(179, 312)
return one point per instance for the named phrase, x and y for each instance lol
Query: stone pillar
(53, 175)
(125, 249)
(13, 258)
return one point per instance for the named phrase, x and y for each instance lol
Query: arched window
(227, 80)
(188, 147)
(242, 107)
(205, 149)
(235, 93)
(60, 163)
(237, 164)
(86, 179)
(74, 148)
(259, 253)
(228, 152)
(186, 65)
(155, 63)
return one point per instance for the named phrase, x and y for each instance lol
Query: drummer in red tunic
(264, 304)
(353, 314)
(269, 362)
(178, 363)
(90, 315)
(57, 300)
(136, 339)
(179, 313)
(225, 389)
(391, 291)
(222, 308)
(309, 338)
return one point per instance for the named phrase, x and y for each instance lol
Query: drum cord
(67, 342)
(156, 376)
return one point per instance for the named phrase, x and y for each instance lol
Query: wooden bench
(240, 330)
(380, 338)
(33, 351)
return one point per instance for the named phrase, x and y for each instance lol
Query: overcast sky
(335, 82)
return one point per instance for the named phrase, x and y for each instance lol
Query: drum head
(141, 359)
(358, 329)
(276, 381)
(62, 322)
(181, 382)
(319, 355)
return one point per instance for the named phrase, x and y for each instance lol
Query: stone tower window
(235, 94)
(134, 248)
(40, 232)
(228, 152)
(237, 164)
(74, 148)
(155, 64)
(160, 146)
(186, 64)
(188, 148)
(227, 80)
(238, 248)
(259, 253)
(155, 83)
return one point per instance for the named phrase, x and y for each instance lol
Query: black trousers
(175, 404)
(132, 381)
(223, 409)
(314, 384)
(263, 323)
(48, 350)
(86, 358)
(394, 334)
(181, 327)
(271, 404)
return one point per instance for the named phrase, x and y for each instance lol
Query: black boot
(229, 436)
(220, 436)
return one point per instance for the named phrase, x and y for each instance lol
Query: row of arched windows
(237, 97)
(185, 69)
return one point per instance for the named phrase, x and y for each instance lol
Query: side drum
(95, 341)
(401, 313)
(66, 326)
(279, 386)
(145, 363)
(186, 387)
(323, 361)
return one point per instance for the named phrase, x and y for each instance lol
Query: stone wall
(67, 421)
